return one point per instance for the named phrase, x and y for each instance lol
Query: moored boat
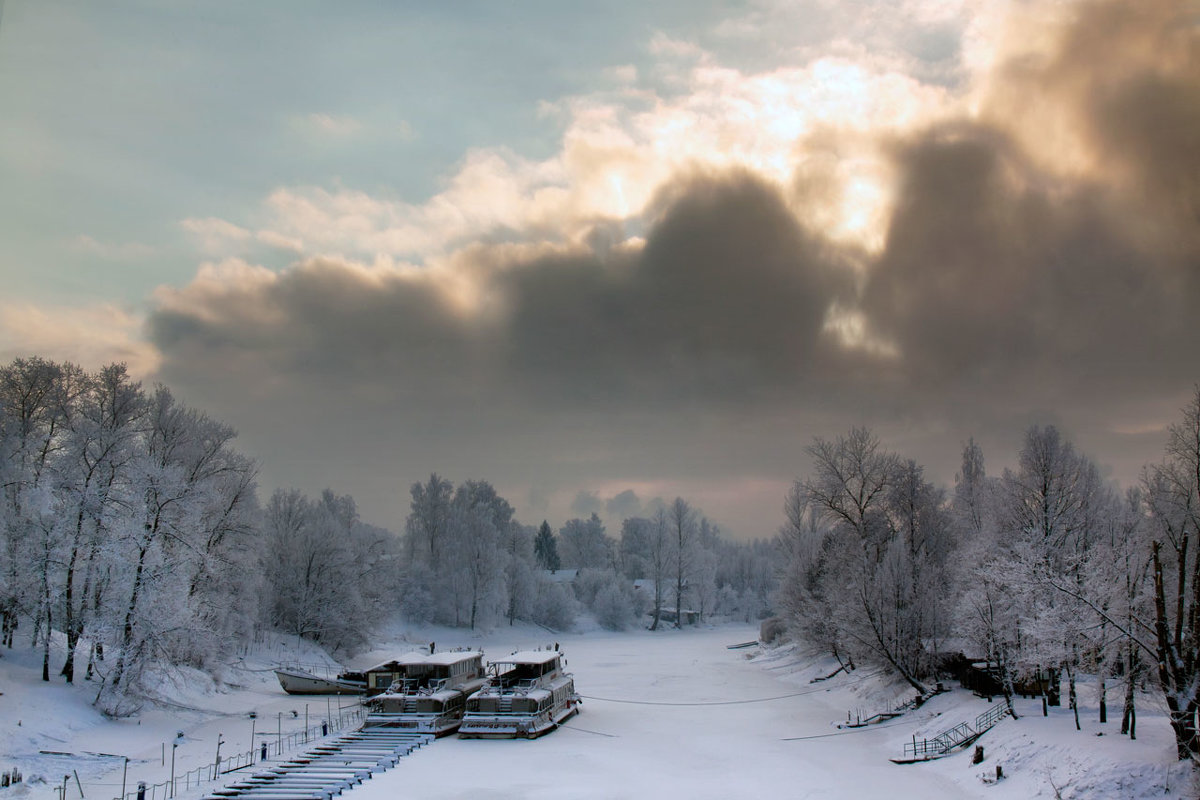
(298, 681)
(429, 692)
(527, 695)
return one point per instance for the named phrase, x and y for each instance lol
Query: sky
(603, 253)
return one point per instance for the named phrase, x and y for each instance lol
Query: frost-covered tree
(1173, 501)
(34, 401)
(681, 519)
(584, 545)
(519, 573)
(866, 548)
(93, 487)
(476, 559)
(328, 576)
(659, 561)
(1051, 509)
(429, 520)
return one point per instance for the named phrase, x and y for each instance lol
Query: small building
(689, 616)
(560, 575)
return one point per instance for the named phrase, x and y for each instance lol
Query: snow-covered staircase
(950, 740)
(328, 769)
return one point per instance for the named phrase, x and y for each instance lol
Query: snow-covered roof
(452, 657)
(408, 658)
(419, 657)
(529, 657)
(561, 575)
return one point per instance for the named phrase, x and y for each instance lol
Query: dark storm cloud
(322, 322)
(726, 302)
(993, 273)
(1131, 74)
(1006, 281)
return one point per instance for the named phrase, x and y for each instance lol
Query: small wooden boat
(298, 681)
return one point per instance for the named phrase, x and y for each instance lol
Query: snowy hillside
(666, 714)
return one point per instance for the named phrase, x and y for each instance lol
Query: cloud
(1040, 253)
(955, 238)
(124, 251)
(91, 336)
(333, 124)
(214, 235)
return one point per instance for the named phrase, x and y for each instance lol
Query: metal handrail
(239, 761)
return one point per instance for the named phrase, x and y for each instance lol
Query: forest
(132, 528)
(1042, 572)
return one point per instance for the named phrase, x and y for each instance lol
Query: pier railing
(349, 718)
(958, 736)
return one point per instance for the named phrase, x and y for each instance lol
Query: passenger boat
(429, 692)
(528, 694)
(298, 681)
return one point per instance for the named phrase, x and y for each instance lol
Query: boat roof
(529, 657)
(419, 657)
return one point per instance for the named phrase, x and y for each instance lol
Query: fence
(211, 772)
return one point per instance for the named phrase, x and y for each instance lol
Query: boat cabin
(527, 695)
(526, 668)
(418, 670)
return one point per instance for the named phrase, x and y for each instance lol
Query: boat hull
(515, 726)
(436, 726)
(300, 682)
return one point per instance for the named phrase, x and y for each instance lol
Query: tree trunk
(127, 631)
(1072, 697)
(1103, 698)
(46, 643)
(71, 624)
(1129, 715)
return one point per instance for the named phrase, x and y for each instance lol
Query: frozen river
(668, 737)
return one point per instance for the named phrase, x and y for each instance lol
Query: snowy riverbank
(666, 714)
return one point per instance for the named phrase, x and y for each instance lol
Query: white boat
(298, 681)
(527, 695)
(429, 692)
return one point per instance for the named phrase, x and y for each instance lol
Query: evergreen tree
(545, 548)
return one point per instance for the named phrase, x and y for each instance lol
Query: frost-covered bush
(613, 607)
(415, 599)
(608, 595)
(553, 606)
(589, 582)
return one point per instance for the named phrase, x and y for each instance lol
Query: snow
(526, 657)
(668, 714)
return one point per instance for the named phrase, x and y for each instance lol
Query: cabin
(687, 615)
